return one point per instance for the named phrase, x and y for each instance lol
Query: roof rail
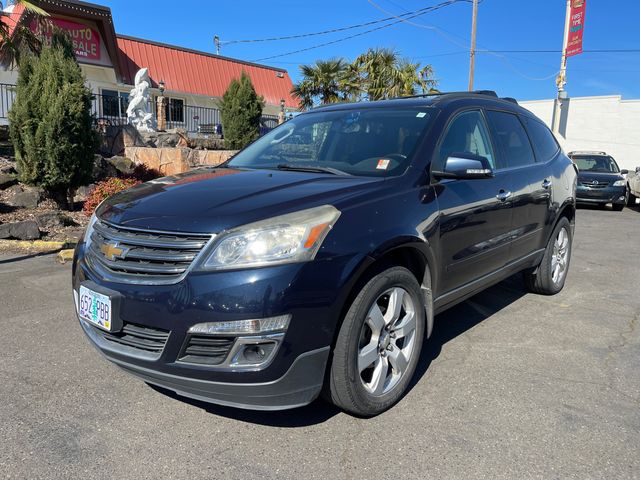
(490, 93)
(510, 99)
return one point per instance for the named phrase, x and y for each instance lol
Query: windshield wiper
(305, 168)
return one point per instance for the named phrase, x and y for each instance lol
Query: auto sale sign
(576, 27)
(86, 40)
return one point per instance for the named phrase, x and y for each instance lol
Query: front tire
(379, 344)
(618, 207)
(549, 277)
(631, 198)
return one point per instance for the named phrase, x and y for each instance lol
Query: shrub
(50, 121)
(104, 190)
(240, 111)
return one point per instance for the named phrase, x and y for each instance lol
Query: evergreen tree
(50, 121)
(240, 110)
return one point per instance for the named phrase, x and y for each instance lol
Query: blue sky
(440, 39)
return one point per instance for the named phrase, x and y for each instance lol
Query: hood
(586, 177)
(215, 199)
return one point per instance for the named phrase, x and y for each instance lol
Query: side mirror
(465, 166)
(624, 171)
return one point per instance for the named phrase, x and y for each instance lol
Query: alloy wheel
(560, 258)
(387, 341)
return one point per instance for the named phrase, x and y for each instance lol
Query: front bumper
(299, 386)
(294, 377)
(615, 195)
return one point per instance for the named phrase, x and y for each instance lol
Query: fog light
(257, 353)
(254, 353)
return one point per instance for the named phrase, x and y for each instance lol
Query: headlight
(89, 231)
(291, 238)
(618, 183)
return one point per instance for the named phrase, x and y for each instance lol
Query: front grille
(142, 256)
(594, 184)
(136, 336)
(205, 349)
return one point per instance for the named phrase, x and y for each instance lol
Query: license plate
(95, 308)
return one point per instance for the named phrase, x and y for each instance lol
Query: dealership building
(193, 81)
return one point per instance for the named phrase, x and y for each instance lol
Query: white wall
(607, 124)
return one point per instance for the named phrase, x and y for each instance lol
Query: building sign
(86, 41)
(576, 27)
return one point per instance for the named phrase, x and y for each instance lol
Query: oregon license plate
(94, 307)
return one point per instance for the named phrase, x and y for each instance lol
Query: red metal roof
(11, 20)
(190, 71)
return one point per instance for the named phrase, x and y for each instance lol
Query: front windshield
(368, 142)
(596, 163)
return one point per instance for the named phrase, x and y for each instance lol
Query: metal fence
(111, 110)
(7, 94)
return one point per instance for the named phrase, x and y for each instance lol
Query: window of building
(509, 133)
(175, 110)
(114, 103)
(467, 133)
(544, 143)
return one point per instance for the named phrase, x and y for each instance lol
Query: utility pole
(561, 80)
(216, 42)
(472, 52)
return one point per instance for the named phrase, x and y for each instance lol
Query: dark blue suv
(315, 260)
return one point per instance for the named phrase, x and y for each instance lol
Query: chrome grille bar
(129, 255)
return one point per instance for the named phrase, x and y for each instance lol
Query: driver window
(466, 134)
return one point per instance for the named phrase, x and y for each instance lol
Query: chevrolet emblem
(112, 251)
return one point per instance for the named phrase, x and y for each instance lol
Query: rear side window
(544, 143)
(512, 138)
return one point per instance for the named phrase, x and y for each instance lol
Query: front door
(475, 214)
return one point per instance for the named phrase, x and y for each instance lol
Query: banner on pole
(576, 27)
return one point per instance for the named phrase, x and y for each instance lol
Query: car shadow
(464, 316)
(448, 325)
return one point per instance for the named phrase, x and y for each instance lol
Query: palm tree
(22, 39)
(387, 75)
(320, 82)
(375, 75)
(379, 72)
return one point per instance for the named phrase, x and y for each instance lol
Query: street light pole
(472, 52)
(561, 80)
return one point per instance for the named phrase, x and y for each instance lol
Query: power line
(628, 50)
(413, 15)
(339, 29)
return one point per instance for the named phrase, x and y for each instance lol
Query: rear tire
(379, 344)
(549, 277)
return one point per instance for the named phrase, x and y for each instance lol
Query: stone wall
(170, 161)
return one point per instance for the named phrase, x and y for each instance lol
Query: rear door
(531, 182)
(474, 221)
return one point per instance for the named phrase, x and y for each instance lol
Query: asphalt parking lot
(511, 385)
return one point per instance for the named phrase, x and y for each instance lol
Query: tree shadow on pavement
(448, 325)
(27, 256)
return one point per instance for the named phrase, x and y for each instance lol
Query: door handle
(546, 184)
(503, 195)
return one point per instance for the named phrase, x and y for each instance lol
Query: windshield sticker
(421, 114)
(383, 164)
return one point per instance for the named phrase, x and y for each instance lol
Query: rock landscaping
(26, 215)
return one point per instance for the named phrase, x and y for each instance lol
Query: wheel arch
(415, 255)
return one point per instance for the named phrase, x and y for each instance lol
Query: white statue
(138, 112)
